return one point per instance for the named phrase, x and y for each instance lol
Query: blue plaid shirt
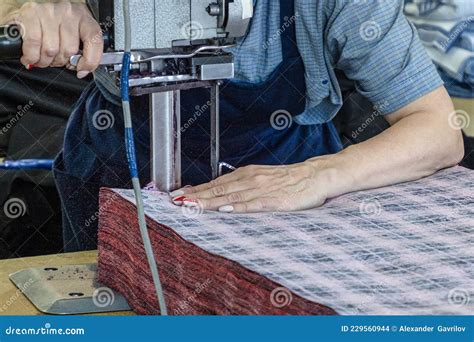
(370, 40)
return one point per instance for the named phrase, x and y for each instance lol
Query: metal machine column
(165, 118)
(215, 131)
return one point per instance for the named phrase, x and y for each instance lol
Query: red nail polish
(29, 67)
(178, 200)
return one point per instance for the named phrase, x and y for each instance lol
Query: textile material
(371, 41)
(457, 63)
(440, 9)
(443, 35)
(446, 29)
(399, 250)
(195, 282)
(456, 88)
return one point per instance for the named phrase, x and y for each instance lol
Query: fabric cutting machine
(176, 45)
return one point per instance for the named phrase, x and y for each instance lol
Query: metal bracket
(115, 58)
(223, 165)
(68, 290)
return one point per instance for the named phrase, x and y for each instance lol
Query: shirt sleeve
(376, 46)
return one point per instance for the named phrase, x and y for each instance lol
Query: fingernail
(226, 209)
(29, 66)
(177, 193)
(188, 186)
(187, 202)
(178, 200)
(82, 74)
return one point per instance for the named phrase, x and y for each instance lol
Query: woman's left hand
(261, 188)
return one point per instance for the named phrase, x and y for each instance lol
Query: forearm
(416, 146)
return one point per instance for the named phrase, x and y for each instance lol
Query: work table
(13, 302)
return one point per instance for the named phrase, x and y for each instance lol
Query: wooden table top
(13, 302)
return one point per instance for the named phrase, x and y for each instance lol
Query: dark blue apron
(254, 124)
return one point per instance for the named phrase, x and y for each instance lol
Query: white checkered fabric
(399, 250)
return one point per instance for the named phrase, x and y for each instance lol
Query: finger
(257, 205)
(49, 43)
(91, 36)
(69, 44)
(230, 177)
(275, 201)
(222, 190)
(32, 39)
(218, 202)
(234, 176)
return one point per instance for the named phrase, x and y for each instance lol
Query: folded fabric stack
(400, 250)
(446, 28)
(195, 281)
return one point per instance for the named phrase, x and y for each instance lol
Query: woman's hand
(52, 33)
(263, 188)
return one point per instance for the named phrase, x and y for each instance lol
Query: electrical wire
(27, 164)
(132, 162)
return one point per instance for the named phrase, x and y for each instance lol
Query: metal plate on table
(68, 290)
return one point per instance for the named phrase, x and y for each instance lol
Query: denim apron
(256, 128)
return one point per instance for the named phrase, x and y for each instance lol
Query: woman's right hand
(52, 33)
